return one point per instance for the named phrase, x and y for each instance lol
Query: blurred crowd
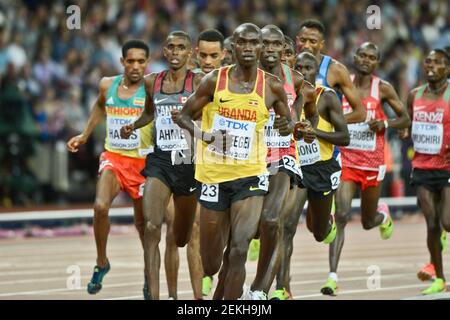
(49, 74)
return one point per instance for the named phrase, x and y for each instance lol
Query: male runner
(321, 173)
(363, 165)
(282, 160)
(169, 169)
(121, 98)
(288, 56)
(230, 159)
(429, 109)
(228, 58)
(331, 73)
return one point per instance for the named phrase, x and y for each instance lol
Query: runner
(321, 173)
(210, 52)
(429, 108)
(229, 57)
(231, 170)
(169, 169)
(121, 98)
(288, 56)
(331, 74)
(282, 160)
(363, 164)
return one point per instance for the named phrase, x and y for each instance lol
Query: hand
(376, 125)
(126, 131)
(175, 113)
(403, 133)
(221, 140)
(284, 126)
(75, 142)
(303, 128)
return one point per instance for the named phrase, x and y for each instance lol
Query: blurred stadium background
(49, 74)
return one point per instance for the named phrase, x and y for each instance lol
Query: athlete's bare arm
(98, 113)
(340, 78)
(340, 137)
(194, 106)
(406, 133)
(277, 99)
(149, 110)
(389, 95)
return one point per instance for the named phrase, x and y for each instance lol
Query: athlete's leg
(156, 199)
(319, 207)
(194, 258)
(344, 196)
(185, 207)
(107, 189)
(445, 207)
(270, 231)
(370, 217)
(290, 215)
(220, 288)
(244, 219)
(139, 218)
(428, 203)
(171, 256)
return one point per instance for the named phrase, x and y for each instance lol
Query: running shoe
(386, 228)
(332, 234)
(437, 287)
(329, 288)
(427, 272)
(95, 285)
(281, 294)
(253, 252)
(207, 283)
(246, 293)
(258, 295)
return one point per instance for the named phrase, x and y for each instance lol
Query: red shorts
(365, 178)
(127, 170)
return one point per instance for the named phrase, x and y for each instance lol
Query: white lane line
(363, 291)
(436, 296)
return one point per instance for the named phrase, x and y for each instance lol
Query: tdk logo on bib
(234, 125)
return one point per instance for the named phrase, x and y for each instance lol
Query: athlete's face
(134, 64)
(366, 60)
(209, 55)
(272, 48)
(307, 67)
(177, 51)
(288, 56)
(310, 40)
(436, 68)
(247, 47)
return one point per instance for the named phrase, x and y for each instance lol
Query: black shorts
(179, 178)
(220, 196)
(433, 180)
(322, 176)
(288, 166)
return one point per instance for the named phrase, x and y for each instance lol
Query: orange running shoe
(427, 273)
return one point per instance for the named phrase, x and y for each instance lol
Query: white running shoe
(258, 295)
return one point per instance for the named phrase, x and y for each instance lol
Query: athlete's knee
(101, 208)
(211, 264)
(238, 253)
(270, 223)
(342, 218)
(139, 225)
(153, 231)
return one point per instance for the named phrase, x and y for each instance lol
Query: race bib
(381, 172)
(309, 153)
(291, 164)
(242, 133)
(169, 136)
(263, 182)
(273, 137)
(115, 141)
(335, 180)
(210, 192)
(361, 137)
(427, 137)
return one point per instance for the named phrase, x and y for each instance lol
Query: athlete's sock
(385, 216)
(333, 275)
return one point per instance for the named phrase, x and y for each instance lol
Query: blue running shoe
(95, 285)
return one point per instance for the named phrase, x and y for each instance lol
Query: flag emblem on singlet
(139, 101)
(253, 103)
(183, 99)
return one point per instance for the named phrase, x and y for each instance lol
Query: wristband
(386, 124)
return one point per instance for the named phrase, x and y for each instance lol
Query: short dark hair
(135, 44)
(444, 53)
(211, 35)
(372, 46)
(289, 41)
(181, 34)
(313, 24)
(308, 56)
